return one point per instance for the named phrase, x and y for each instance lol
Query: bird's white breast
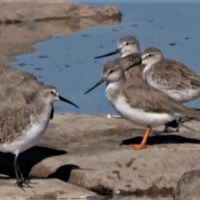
(138, 115)
(29, 136)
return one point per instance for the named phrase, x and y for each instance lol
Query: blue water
(68, 61)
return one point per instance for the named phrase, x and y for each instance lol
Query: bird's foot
(136, 146)
(23, 184)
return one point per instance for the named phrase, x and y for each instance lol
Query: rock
(44, 189)
(38, 20)
(188, 187)
(16, 11)
(85, 151)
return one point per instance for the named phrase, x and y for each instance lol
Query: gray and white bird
(139, 102)
(23, 128)
(171, 77)
(130, 55)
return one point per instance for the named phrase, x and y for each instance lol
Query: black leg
(173, 124)
(23, 181)
(16, 167)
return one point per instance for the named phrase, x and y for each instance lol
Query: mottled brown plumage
(130, 58)
(140, 103)
(172, 77)
(12, 126)
(23, 127)
(131, 65)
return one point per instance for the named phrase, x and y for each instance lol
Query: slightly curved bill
(67, 101)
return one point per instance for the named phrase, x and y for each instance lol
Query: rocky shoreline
(30, 24)
(84, 156)
(88, 156)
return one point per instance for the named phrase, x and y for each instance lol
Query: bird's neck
(43, 110)
(146, 70)
(113, 88)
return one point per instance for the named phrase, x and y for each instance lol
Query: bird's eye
(52, 92)
(111, 71)
(150, 55)
(127, 43)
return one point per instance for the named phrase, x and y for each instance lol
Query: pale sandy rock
(42, 19)
(44, 189)
(16, 11)
(84, 150)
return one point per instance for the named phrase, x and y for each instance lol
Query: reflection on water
(68, 61)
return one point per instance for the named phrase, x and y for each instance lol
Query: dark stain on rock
(118, 164)
(130, 162)
(155, 192)
(152, 192)
(49, 195)
(134, 168)
(117, 173)
(110, 177)
(43, 56)
(172, 44)
(144, 165)
(101, 190)
(128, 186)
(140, 176)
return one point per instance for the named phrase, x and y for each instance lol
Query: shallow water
(68, 61)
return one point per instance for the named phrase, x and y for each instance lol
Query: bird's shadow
(162, 139)
(26, 160)
(63, 172)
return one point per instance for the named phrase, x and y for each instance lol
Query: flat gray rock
(36, 21)
(85, 151)
(16, 11)
(188, 187)
(44, 189)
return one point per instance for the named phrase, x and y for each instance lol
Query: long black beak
(108, 54)
(67, 101)
(97, 84)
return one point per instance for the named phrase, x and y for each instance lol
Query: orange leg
(144, 140)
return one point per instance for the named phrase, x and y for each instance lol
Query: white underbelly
(181, 96)
(139, 116)
(28, 139)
